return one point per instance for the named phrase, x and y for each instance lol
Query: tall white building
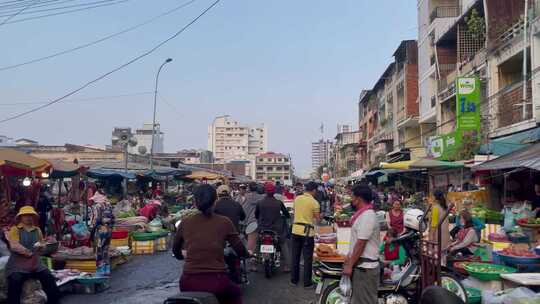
(231, 140)
(144, 139)
(320, 153)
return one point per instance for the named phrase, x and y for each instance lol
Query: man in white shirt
(362, 263)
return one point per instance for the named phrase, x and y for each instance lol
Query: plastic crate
(143, 247)
(82, 265)
(120, 242)
(161, 243)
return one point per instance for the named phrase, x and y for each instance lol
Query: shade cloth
(422, 163)
(17, 163)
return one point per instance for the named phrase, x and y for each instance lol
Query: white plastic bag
(345, 286)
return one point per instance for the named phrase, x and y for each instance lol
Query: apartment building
(320, 153)
(344, 155)
(478, 43)
(230, 140)
(388, 113)
(272, 166)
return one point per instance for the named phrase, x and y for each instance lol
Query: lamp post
(154, 119)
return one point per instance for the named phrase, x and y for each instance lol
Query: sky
(291, 64)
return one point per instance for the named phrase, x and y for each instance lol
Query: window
(269, 168)
(260, 168)
(270, 160)
(286, 178)
(286, 168)
(285, 159)
(433, 101)
(261, 160)
(279, 159)
(279, 168)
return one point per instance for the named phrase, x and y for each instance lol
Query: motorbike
(269, 252)
(402, 288)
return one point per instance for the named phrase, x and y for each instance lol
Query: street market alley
(151, 279)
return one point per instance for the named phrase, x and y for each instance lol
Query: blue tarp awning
(110, 173)
(508, 144)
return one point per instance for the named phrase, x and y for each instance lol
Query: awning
(511, 143)
(63, 169)
(110, 173)
(203, 175)
(17, 163)
(528, 157)
(422, 163)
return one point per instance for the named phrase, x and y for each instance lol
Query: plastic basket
(120, 234)
(490, 272)
(143, 247)
(120, 242)
(474, 296)
(161, 244)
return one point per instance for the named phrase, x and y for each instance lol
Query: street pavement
(151, 279)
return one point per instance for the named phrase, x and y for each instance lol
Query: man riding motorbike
(203, 235)
(270, 214)
(228, 207)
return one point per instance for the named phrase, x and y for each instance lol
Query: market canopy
(17, 163)
(63, 169)
(528, 157)
(203, 175)
(116, 169)
(422, 163)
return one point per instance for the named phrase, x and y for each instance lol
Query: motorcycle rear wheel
(268, 268)
(331, 294)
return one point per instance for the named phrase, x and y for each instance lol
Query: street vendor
(25, 243)
(536, 200)
(477, 223)
(394, 254)
(102, 223)
(150, 210)
(394, 217)
(466, 237)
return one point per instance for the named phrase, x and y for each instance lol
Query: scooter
(403, 288)
(270, 252)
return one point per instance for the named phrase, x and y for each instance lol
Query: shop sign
(445, 147)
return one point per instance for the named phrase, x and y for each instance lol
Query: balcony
(445, 12)
(508, 104)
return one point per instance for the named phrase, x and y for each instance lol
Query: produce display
(498, 237)
(518, 253)
(484, 213)
(529, 221)
(326, 251)
(487, 272)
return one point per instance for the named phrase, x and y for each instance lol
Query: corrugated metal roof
(528, 157)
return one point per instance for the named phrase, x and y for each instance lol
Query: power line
(42, 3)
(65, 12)
(79, 99)
(114, 70)
(129, 29)
(17, 13)
(64, 7)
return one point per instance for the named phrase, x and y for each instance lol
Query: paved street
(151, 279)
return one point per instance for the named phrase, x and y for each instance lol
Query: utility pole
(154, 119)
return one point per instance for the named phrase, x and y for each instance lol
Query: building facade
(272, 166)
(344, 160)
(229, 140)
(144, 140)
(320, 153)
(6, 141)
(388, 113)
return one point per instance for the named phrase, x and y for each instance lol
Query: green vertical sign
(467, 104)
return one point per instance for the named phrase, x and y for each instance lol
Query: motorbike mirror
(251, 228)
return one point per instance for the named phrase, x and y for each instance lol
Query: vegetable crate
(120, 242)
(143, 247)
(161, 243)
(82, 265)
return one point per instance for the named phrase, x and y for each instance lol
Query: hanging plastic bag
(345, 286)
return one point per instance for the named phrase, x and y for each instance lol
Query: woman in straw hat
(24, 262)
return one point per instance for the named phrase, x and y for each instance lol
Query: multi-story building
(344, 128)
(187, 156)
(230, 140)
(144, 139)
(273, 166)
(388, 113)
(344, 161)
(463, 50)
(320, 153)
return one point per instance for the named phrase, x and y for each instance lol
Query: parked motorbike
(403, 288)
(192, 298)
(269, 252)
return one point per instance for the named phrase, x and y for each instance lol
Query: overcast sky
(291, 64)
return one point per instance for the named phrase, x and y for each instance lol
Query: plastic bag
(521, 295)
(80, 231)
(345, 286)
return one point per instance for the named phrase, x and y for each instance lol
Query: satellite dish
(142, 150)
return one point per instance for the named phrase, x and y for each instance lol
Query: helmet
(269, 187)
(223, 190)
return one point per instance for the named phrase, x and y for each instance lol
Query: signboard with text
(447, 146)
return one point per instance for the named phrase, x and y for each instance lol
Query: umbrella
(13, 162)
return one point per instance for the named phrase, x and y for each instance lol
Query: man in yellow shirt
(306, 211)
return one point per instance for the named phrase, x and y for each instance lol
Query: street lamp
(154, 120)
